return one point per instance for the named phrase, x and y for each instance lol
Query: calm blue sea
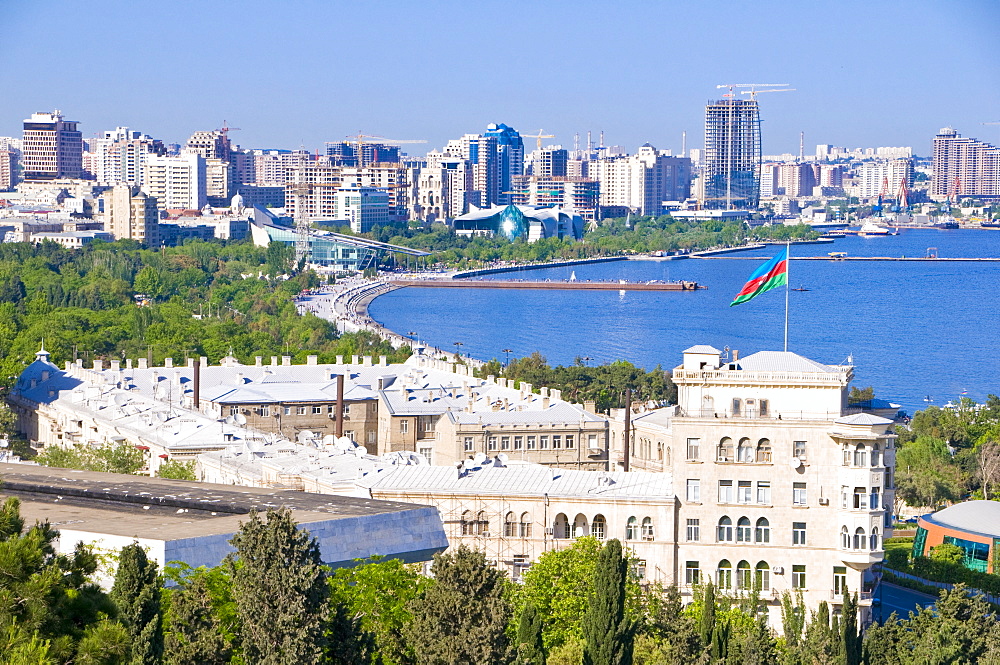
(914, 330)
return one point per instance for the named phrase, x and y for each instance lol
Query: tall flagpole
(788, 263)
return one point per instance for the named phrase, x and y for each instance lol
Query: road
(900, 600)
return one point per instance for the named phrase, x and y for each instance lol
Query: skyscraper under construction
(731, 163)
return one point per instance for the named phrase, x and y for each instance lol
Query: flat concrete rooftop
(161, 509)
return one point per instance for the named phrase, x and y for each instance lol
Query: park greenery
(273, 602)
(610, 237)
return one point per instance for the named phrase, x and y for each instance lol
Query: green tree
(136, 594)
(530, 648)
(793, 619)
(925, 473)
(280, 591)
(822, 645)
(176, 470)
(706, 622)
(147, 282)
(462, 616)
(194, 633)
(379, 593)
(850, 639)
(948, 553)
(668, 634)
(608, 633)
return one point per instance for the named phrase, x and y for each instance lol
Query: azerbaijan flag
(769, 276)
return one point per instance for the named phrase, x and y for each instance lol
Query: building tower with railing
(783, 485)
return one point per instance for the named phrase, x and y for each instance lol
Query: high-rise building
(876, 177)
(644, 181)
(213, 144)
(52, 148)
(391, 178)
(964, 167)
(510, 153)
(8, 169)
(363, 207)
(362, 154)
(481, 151)
(176, 182)
(549, 162)
(731, 162)
(129, 213)
(119, 156)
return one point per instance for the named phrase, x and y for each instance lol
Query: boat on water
(837, 255)
(946, 223)
(871, 228)
(801, 288)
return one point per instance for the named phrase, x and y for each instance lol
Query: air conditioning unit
(647, 537)
(778, 570)
(824, 501)
(485, 534)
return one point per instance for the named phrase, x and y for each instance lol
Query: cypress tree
(850, 640)
(136, 594)
(720, 641)
(280, 591)
(462, 615)
(707, 623)
(608, 634)
(530, 650)
(194, 635)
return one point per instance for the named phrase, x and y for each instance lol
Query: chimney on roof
(116, 365)
(258, 361)
(366, 361)
(382, 361)
(312, 360)
(544, 391)
(274, 361)
(736, 355)
(340, 360)
(190, 362)
(143, 363)
(98, 365)
(286, 361)
(68, 365)
(128, 363)
(168, 362)
(203, 360)
(491, 378)
(340, 406)
(545, 402)
(196, 397)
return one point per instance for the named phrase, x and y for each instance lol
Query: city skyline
(313, 73)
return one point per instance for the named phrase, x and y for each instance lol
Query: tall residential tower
(52, 148)
(731, 162)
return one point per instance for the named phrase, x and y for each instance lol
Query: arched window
(743, 530)
(845, 538)
(764, 451)
(762, 576)
(631, 529)
(598, 527)
(725, 532)
(859, 455)
(859, 539)
(847, 455)
(743, 575)
(874, 539)
(876, 450)
(468, 523)
(724, 575)
(762, 534)
(745, 451)
(561, 526)
(580, 526)
(525, 526)
(647, 528)
(510, 525)
(725, 453)
(483, 523)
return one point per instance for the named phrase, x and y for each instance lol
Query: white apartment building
(177, 182)
(781, 484)
(873, 177)
(481, 153)
(363, 207)
(8, 169)
(643, 181)
(119, 156)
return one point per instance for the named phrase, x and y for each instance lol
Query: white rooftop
(979, 517)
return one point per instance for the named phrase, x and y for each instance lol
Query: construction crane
(539, 136)
(753, 87)
(753, 93)
(225, 129)
(360, 140)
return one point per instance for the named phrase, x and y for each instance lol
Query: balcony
(860, 559)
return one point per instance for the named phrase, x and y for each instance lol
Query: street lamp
(458, 349)
(508, 352)
(585, 359)
(413, 334)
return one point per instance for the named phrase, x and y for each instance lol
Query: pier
(560, 285)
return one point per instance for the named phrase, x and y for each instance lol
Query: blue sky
(301, 72)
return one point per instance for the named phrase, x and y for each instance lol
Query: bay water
(919, 332)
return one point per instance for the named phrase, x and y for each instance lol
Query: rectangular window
(764, 408)
(504, 443)
(764, 492)
(694, 530)
(518, 443)
(693, 446)
(860, 498)
(839, 580)
(531, 443)
(692, 573)
(592, 442)
(317, 410)
(491, 443)
(426, 452)
(330, 409)
(844, 494)
(875, 503)
(467, 444)
(694, 490)
(798, 577)
(798, 494)
(798, 533)
(725, 491)
(543, 442)
(404, 426)
(556, 441)
(288, 411)
(744, 491)
(799, 449)
(570, 441)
